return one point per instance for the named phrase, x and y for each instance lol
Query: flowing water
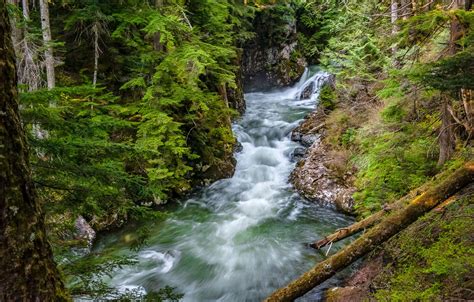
(243, 237)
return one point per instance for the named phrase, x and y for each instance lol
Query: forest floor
(432, 259)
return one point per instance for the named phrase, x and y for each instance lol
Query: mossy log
(369, 221)
(388, 227)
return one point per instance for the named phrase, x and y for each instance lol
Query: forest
(227, 150)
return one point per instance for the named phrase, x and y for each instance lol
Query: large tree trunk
(376, 236)
(48, 53)
(28, 272)
(375, 218)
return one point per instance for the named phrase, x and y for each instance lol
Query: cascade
(240, 238)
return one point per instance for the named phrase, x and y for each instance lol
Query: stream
(240, 238)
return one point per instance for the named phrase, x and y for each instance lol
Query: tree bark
(376, 217)
(446, 135)
(95, 29)
(157, 36)
(376, 236)
(48, 53)
(395, 29)
(28, 272)
(16, 32)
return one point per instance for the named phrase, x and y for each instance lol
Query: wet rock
(238, 147)
(235, 95)
(298, 154)
(307, 91)
(309, 139)
(296, 136)
(316, 182)
(84, 231)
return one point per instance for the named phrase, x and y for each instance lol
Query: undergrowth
(433, 260)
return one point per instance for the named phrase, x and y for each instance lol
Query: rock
(320, 176)
(271, 59)
(307, 91)
(356, 288)
(344, 201)
(238, 147)
(296, 136)
(314, 181)
(345, 294)
(298, 154)
(84, 231)
(309, 139)
(235, 95)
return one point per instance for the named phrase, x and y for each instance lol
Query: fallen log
(373, 219)
(378, 234)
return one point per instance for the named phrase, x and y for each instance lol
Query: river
(243, 237)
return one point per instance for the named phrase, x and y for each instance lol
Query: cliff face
(271, 59)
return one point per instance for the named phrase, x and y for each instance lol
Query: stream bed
(243, 237)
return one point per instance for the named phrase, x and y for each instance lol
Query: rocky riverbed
(316, 175)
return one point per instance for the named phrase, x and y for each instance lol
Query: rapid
(240, 238)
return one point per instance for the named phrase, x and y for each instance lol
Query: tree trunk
(95, 29)
(378, 216)
(376, 236)
(48, 53)
(222, 89)
(406, 9)
(394, 19)
(16, 32)
(28, 272)
(157, 36)
(26, 9)
(446, 135)
(29, 68)
(414, 7)
(467, 98)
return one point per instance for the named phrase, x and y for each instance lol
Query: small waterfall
(309, 87)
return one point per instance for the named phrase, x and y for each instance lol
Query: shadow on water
(240, 238)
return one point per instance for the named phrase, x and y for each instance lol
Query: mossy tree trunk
(375, 236)
(28, 272)
(375, 218)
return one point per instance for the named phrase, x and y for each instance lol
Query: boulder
(298, 154)
(84, 231)
(309, 139)
(307, 91)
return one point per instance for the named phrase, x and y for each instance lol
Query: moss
(433, 259)
(327, 98)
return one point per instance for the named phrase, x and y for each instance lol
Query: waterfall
(309, 87)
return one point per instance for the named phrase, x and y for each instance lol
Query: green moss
(327, 98)
(431, 260)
